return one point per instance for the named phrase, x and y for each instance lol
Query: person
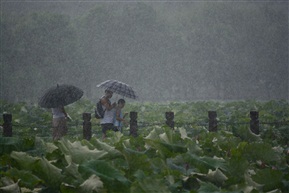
(108, 119)
(119, 117)
(59, 123)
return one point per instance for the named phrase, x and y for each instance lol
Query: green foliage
(160, 159)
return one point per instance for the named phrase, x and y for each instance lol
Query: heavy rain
(206, 83)
(167, 51)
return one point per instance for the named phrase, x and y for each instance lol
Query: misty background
(167, 51)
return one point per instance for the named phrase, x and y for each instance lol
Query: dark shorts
(107, 126)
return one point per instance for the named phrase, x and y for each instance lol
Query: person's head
(121, 103)
(108, 93)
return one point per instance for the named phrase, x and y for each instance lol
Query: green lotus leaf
(27, 178)
(40, 167)
(216, 176)
(271, 179)
(78, 152)
(112, 152)
(93, 183)
(149, 185)
(113, 178)
(11, 188)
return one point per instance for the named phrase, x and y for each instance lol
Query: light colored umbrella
(60, 95)
(118, 87)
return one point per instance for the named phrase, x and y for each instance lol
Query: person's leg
(105, 127)
(54, 129)
(62, 127)
(59, 128)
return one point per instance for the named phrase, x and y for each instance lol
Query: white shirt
(57, 113)
(108, 116)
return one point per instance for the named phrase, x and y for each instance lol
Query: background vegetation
(165, 50)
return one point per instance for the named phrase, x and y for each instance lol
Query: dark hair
(108, 91)
(121, 101)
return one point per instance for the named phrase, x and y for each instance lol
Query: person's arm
(107, 104)
(63, 110)
(125, 115)
(118, 115)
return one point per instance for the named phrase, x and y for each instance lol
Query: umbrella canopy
(61, 95)
(119, 88)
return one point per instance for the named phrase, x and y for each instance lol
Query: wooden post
(254, 122)
(133, 124)
(7, 125)
(170, 119)
(213, 123)
(86, 126)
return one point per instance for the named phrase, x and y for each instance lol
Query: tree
(44, 52)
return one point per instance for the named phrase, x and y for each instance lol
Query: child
(119, 117)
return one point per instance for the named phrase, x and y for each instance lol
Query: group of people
(113, 118)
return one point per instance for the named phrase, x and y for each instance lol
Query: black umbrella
(61, 95)
(119, 88)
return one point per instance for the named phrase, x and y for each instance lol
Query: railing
(212, 123)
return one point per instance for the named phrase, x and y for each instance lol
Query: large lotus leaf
(93, 183)
(11, 188)
(161, 167)
(113, 178)
(217, 176)
(260, 151)
(164, 149)
(167, 144)
(178, 164)
(27, 178)
(67, 188)
(112, 152)
(271, 179)
(245, 134)
(115, 137)
(71, 172)
(183, 133)
(237, 166)
(24, 160)
(149, 185)
(153, 135)
(9, 144)
(41, 167)
(207, 187)
(78, 152)
(137, 160)
(203, 164)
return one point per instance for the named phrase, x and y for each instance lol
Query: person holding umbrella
(56, 98)
(107, 122)
(118, 87)
(59, 123)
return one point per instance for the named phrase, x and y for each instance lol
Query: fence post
(254, 122)
(133, 124)
(7, 125)
(170, 119)
(86, 126)
(213, 123)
